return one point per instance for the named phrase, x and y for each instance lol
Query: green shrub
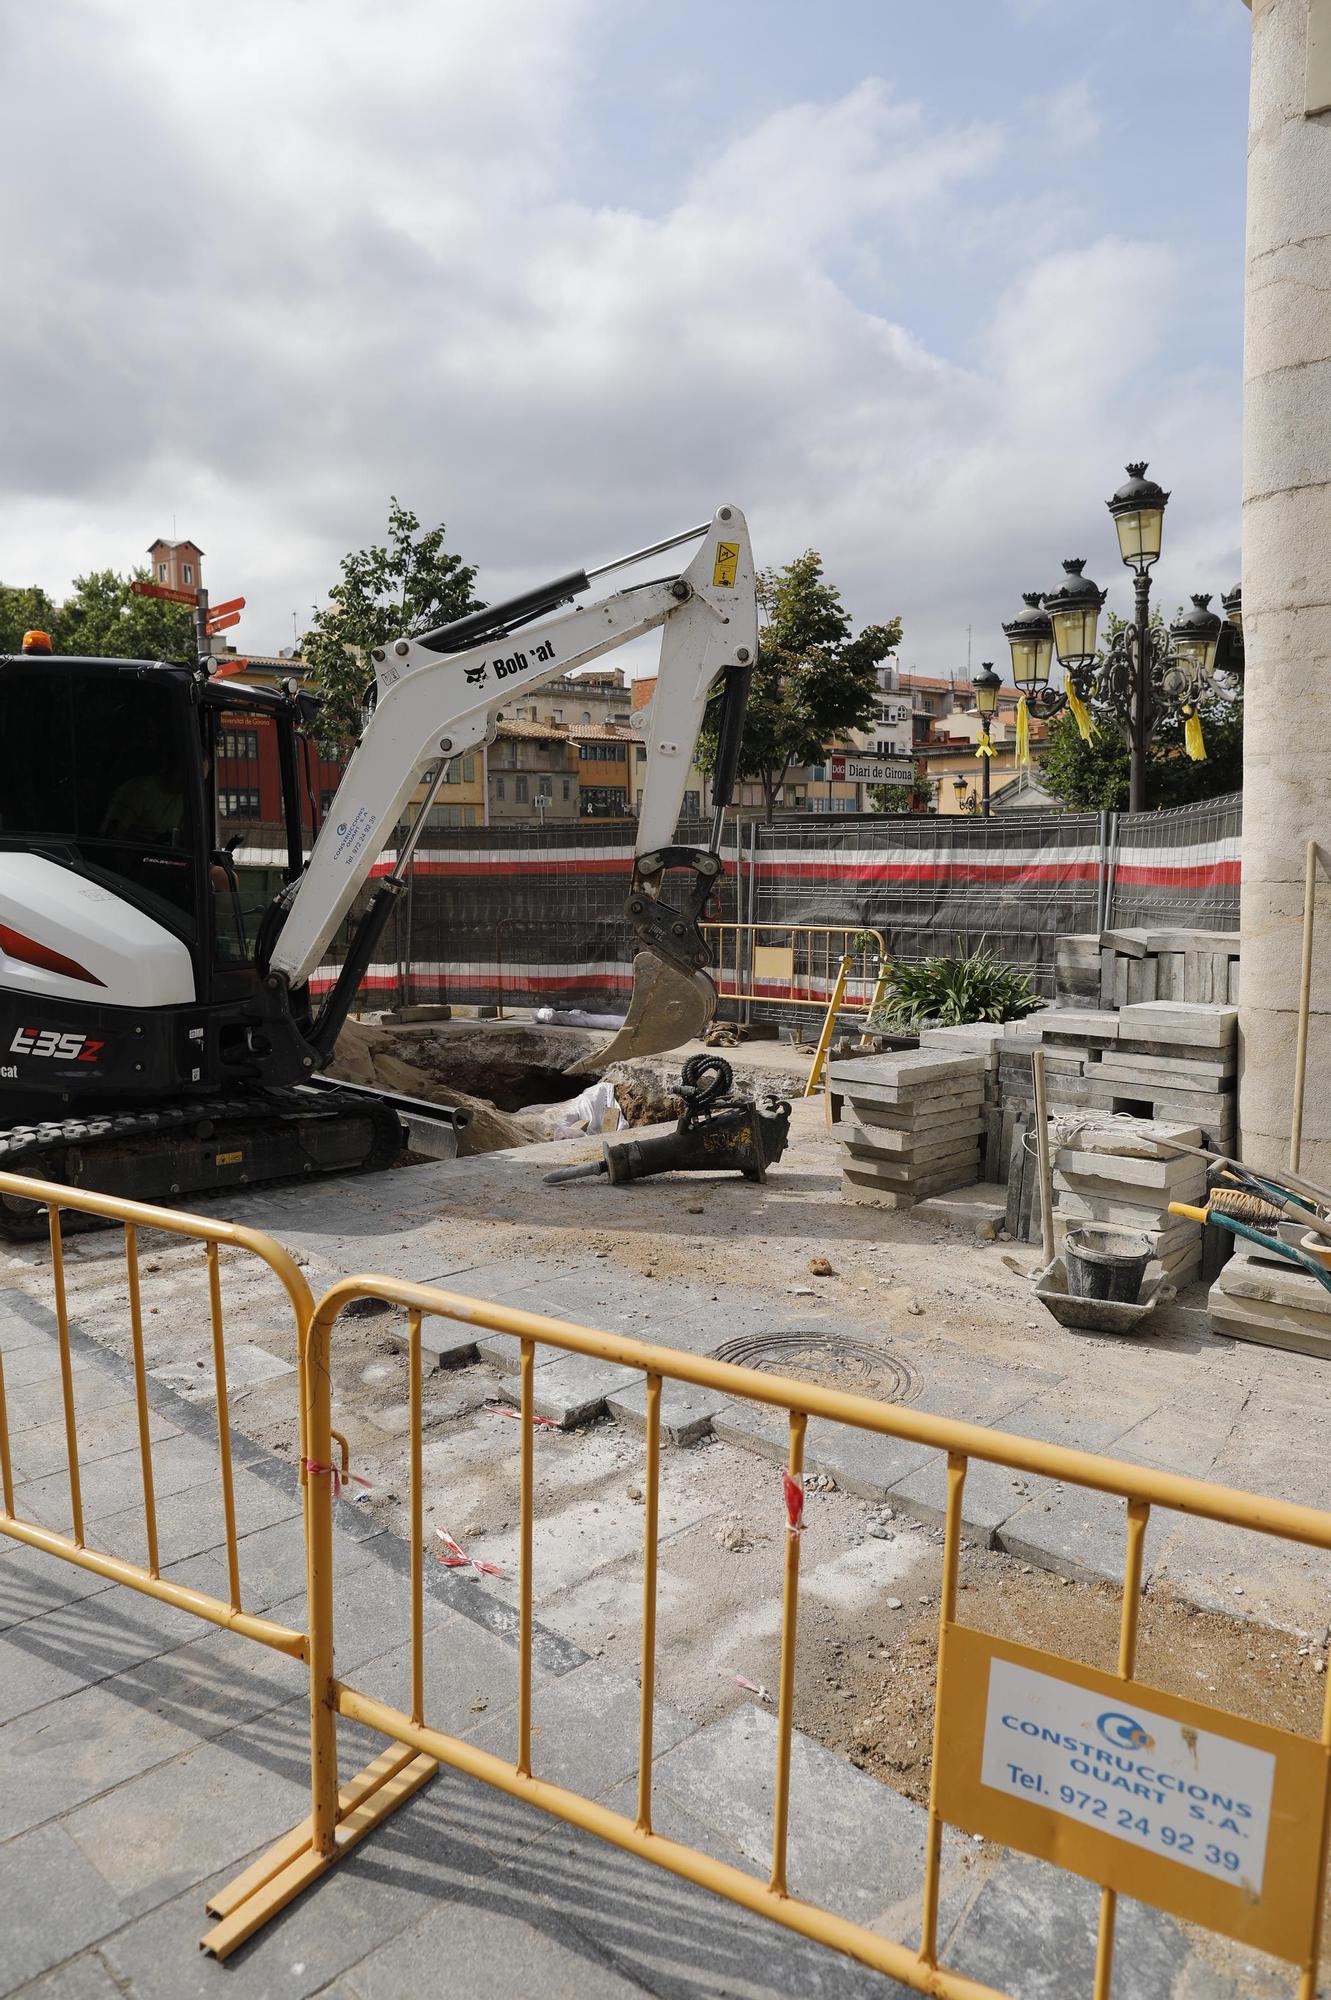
(950, 991)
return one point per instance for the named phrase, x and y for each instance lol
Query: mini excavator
(149, 1046)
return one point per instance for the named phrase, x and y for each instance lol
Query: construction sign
(1188, 1808)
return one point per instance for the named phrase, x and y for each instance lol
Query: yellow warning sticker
(727, 561)
(228, 1159)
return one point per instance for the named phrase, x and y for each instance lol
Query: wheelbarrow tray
(1101, 1315)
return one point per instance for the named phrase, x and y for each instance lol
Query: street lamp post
(985, 688)
(1143, 676)
(1138, 510)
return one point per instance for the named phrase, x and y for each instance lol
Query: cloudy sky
(909, 282)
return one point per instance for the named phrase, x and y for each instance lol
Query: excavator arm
(439, 696)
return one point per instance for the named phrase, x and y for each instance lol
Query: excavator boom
(440, 695)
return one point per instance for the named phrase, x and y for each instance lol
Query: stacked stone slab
(980, 1038)
(1162, 1059)
(910, 1125)
(1270, 1301)
(1122, 1175)
(1121, 968)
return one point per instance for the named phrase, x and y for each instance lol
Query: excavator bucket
(667, 1009)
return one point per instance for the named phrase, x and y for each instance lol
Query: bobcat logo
(476, 675)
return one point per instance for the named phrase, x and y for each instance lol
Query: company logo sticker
(1124, 1731)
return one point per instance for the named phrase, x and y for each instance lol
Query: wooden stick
(1042, 1155)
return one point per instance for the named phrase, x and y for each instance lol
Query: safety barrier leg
(339, 1816)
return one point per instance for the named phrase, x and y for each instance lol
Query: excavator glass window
(100, 767)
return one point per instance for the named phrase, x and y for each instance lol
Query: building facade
(532, 774)
(178, 565)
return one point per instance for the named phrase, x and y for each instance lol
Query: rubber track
(39, 1150)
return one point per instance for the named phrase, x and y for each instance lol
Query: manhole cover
(832, 1360)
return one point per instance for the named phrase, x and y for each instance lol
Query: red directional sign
(216, 625)
(220, 610)
(142, 588)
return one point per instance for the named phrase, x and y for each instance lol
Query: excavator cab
(128, 961)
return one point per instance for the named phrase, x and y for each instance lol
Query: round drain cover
(832, 1360)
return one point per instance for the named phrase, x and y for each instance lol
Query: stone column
(1286, 583)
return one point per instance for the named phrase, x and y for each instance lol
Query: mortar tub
(1100, 1315)
(1106, 1264)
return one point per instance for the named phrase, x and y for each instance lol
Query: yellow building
(952, 752)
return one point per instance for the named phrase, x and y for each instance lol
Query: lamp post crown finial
(1136, 470)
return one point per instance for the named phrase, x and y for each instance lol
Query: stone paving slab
(54, 1904)
(585, 1730)
(1044, 1921)
(687, 1413)
(1079, 1533)
(572, 1390)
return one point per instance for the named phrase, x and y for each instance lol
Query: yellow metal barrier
(798, 965)
(134, 1216)
(1274, 1903)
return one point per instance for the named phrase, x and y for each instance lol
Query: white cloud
(286, 260)
(1071, 115)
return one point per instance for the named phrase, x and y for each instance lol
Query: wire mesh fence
(533, 915)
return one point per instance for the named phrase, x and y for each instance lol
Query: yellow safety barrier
(798, 965)
(1264, 1891)
(135, 1217)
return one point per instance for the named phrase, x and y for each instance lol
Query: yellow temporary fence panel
(135, 1217)
(1218, 1819)
(1258, 1861)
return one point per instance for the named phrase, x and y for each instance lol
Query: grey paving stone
(862, 1462)
(445, 1342)
(573, 1389)
(128, 1723)
(854, 1845)
(37, 1452)
(110, 1484)
(421, 1860)
(163, 1831)
(371, 1614)
(272, 1560)
(1080, 1533)
(24, 1322)
(993, 1493)
(585, 1730)
(1032, 1930)
(191, 1521)
(503, 1943)
(54, 1904)
(670, 1939)
(81, 1978)
(471, 1676)
(32, 1582)
(687, 1414)
(41, 1401)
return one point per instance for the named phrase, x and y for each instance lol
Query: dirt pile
(374, 1056)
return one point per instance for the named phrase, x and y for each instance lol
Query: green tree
(410, 585)
(916, 797)
(26, 608)
(811, 682)
(105, 619)
(1094, 776)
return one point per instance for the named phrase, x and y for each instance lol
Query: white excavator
(149, 1046)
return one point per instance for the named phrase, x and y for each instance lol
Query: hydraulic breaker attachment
(718, 1133)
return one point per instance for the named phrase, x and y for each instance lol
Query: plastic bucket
(1106, 1264)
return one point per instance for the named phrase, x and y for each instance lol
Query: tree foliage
(409, 585)
(812, 681)
(103, 618)
(1094, 776)
(106, 619)
(916, 797)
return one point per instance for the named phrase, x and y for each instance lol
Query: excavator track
(184, 1150)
